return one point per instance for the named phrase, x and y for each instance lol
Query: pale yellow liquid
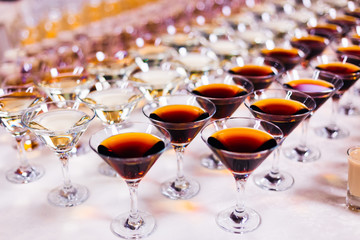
(354, 172)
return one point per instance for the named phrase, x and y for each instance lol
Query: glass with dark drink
(131, 149)
(183, 116)
(286, 109)
(241, 144)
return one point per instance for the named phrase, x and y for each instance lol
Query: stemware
(349, 74)
(286, 109)
(112, 101)
(155, 80)
(242, 144)
(260, 71)
(153, 54)
(199, 63)
(106, 67)
(320, 90)
(351, 54)
(131, 149)
(60, 125)
(227, 93)
(14, 100)
(183, 116)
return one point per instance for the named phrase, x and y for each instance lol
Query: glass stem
(304, 131)
(334, 111)
(239, 215)
(180, 181)
(274, 172)
(134, 220)
(24, 163)
(68, 190)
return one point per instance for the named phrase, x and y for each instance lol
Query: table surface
(314, 208)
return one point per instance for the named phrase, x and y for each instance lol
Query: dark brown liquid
(288, 57)
(348, 73)
(355, 39)
(315, 44)
(351, 53)
(319, 90)
(184, 116)
(329, 31)
(241, 140)
(281, 112)
(260, 76)
(123, 151)
(354, 13)
(346, 22)
(224, 96)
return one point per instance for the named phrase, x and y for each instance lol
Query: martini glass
(14, 100)
(65, 83)
(286, 109)
(199, 63)
(153, 54)
(156, 80)
(242, 144)
(106, 67)
(347, 52)
(349, 74)
(320, 90)
(112, 102)
(60, 125)
(227, 93)
(260, 71)
(131, 149)
(183, 116)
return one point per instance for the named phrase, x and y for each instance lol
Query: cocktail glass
(286, 109)
(131, 149)
(156, 80)
(227, 93)
(242, 144)
(183, 116)
(60, 125)
(349, 73)
(112, 101)
(260, 71)
(14, 100)
(320, 90)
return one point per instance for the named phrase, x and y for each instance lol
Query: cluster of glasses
(283, 60)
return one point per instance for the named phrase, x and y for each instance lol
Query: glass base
(274, 182)
(211, 162)
(58, 198)
(106, 170)
(352, 202)
(120, 226)
(302, 153)
(189, 189)
(28, 175)
(349, 110)
(332, 132)
(229, 222)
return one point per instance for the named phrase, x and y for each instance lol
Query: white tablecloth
(314, 208)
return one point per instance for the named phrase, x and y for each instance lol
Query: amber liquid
(131, 154)
(351, 53)
(346, 22)
(319, 90)
(274, 110)
(224, 96)
(348, 72)
(329, 31)
(260, 76)
(288, 57)
(315, 44)
(241, 140)
(176, 119)
(355, 39)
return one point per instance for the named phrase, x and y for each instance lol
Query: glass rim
(277, 139)
(166, 140)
